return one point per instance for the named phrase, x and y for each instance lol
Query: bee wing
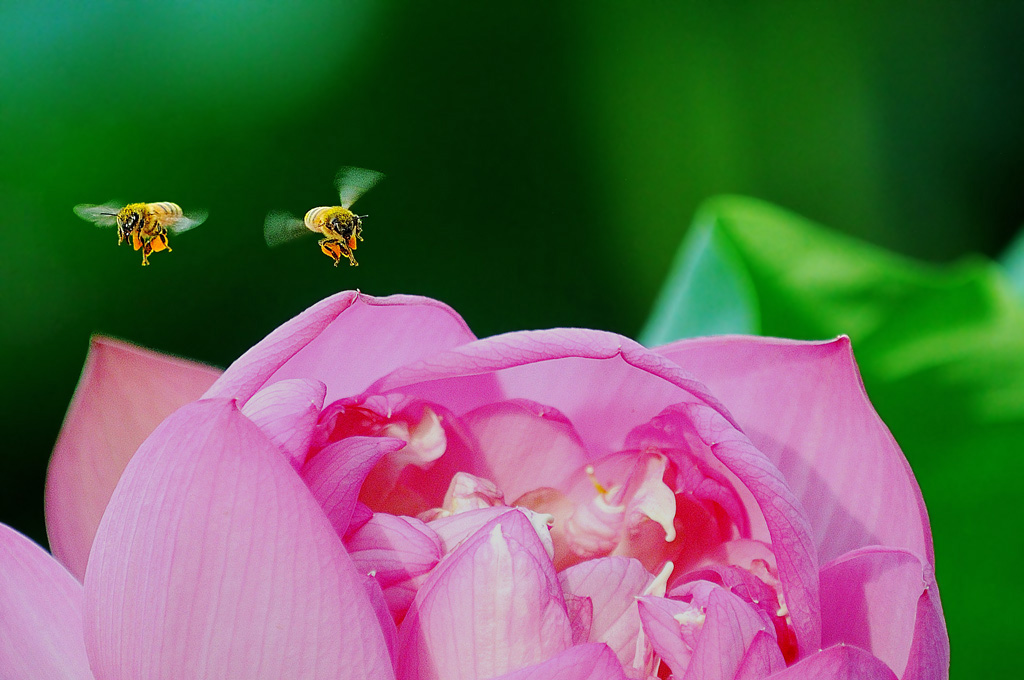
(354, 182)
(281, 227)
(101, 215)
(183, 223)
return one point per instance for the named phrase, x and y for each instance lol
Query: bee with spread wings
(144, 225)
(340, 227)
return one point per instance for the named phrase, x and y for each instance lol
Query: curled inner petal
(466, 492)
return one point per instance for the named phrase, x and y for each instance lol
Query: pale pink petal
(454, 529)
(287, 412)
(124, 393)
(346, 342)
(522, 445)
(581, 616)
(335, 474)
(727, 629)
(396, 551)
(583, 662)
(929, 655)
(747, 568)
(361, 514)
(593, 529)
(736, 580)
(621, 506)
(40, 614)
(394, 548)
(612, 584)
(673, 628)
(214, 560)
(491, 607)
(842, 662)
(621, 501)
(602, 382)
(764, 598)
(763, 658)
(698, 425)
(803, 404)
(652, 499)
(739, 566)
(469, 492)
(870, 598)
(380, 607)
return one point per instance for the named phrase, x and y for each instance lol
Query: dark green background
(543, 162)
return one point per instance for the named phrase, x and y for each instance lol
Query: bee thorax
(332, 221)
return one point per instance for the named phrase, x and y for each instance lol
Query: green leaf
(1013, 263)
(707, 293)
(941, 350)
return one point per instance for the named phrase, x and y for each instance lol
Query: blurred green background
(544, 161)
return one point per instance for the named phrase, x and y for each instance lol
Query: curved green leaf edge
(941, 351)
(1013, 263)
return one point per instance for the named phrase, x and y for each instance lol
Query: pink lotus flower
(371, 492)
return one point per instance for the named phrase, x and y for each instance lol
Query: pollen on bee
(332, 249)
(159, 242)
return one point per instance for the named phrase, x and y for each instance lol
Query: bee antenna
(362, 216)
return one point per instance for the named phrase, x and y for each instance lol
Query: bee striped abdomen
(316, 218)
(164, 208)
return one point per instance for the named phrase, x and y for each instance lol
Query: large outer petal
(803, 404)
(124, 393)
(491, 607)
(40, 614)
(214, 560)
(346, 342)
(603, 383)
(873, 598)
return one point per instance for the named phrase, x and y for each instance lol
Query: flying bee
(144, 225)
(341, 228)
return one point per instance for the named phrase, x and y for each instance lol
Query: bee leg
(146, 250)
(136, 240)
(331, 248)
(159, 242)
(347, 252)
